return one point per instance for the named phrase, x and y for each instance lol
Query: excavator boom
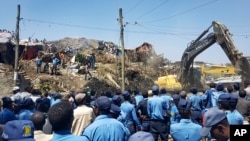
(222, 36)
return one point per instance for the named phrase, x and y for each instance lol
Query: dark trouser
(145, 125)
(131, 128)
(38, 69)
(54, 67)
(159, 127)
(196, 117)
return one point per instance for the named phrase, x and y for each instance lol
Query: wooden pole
(17, 47)
(122, 45)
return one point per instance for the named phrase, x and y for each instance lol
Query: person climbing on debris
(38, 64)
(86, 67)
(55, 62)
(62, 57)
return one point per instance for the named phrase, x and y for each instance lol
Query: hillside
(106, 75)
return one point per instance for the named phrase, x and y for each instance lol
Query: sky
(169, 25)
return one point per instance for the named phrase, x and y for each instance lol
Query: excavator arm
(222, 36)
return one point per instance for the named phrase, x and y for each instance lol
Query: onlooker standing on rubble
(86, 67)
(62, 57)
(55, 62)
(38, 64)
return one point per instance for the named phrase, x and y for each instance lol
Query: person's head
(80, 99)
(103, 105)
(184, 109)
(176, 99)
(116, 99)
(163, 91)
(246, 83)
(155, 90)
(18, 130)
(61, 116)
(223, 101)
(7, 102)
(115, 111)
(242, 93)
(212, 85)
(136, 91)
(220, 87)
(145, 94)
(108, 94)
(230, 89)
(233, 102)
(126, 95)
(194, 90)
(216, 123)
(43, 105)
(236, 86)
(183, 94)
(28, 104)
(38, 119)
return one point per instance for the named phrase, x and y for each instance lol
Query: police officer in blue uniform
(186, 130)
(196, 106)
(158, 124)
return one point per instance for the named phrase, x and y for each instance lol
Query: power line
(70, 25)
(151, 31)
(161, 4)
(133, 7)
(184, 12)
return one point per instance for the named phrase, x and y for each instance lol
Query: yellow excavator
(170, 82)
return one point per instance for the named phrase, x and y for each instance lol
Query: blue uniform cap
(212, 117)
(141, 136)
(125, 93)
(103, 103)
(116, 99)
(176, 97)
(115, 109)
(193, 90)
(21, 130)
(6, 99)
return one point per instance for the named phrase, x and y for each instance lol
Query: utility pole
(17, 46)
(122, 45)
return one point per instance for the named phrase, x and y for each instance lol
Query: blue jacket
(106, 129)
(186, 130)
(65, 135)
(6, 115)
(138, 98)
(234, 118)
(156, 107)
(130, 112)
